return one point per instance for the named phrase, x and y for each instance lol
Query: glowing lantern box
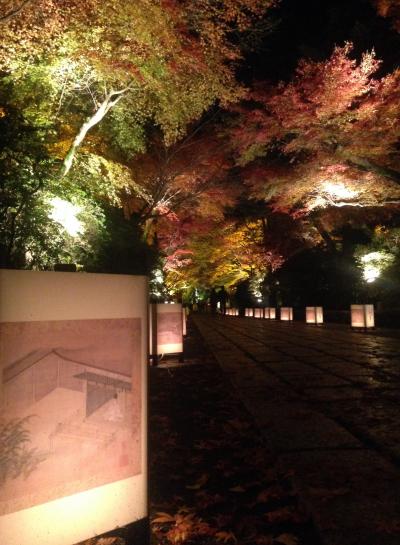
(286, 314)
(185, 314)
(249, 312)
(258, 313)
(314, 315)
(166, 329)
(235, 312)
(362, 316)
(270, 313)
(73, 398)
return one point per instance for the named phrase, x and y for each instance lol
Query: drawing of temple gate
(82, 417)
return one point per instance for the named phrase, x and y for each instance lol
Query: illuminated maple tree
(98, 79)
(327, 139)
(390, 9)
(177, 179)
(168, 61)
(333, 110)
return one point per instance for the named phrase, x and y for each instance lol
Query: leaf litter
(213, 480)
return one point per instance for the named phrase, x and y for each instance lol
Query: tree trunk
(366, 165)
(109, 102)
(323, 232)
(12, 13)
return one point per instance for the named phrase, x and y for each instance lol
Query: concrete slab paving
(353, 494)
(332, 395)
(330, 409)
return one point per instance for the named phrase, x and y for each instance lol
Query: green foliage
(379, 264)
(124, 130)
(122, 249)
(28, 181)
(24, 222)
(29, 237)
(34, 93)
(16, 458)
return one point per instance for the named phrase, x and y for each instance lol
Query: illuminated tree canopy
(177, 133)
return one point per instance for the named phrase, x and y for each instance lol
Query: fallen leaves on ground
(287, 539)
(389, 527)
(212, 479)
(326, 494)
(225, 537)
(199, 483)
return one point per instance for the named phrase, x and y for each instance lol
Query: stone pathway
(327, 400)
(213, 480)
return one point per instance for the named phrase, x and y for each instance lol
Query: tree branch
(7, 16)
(112, 98)
(365, 164)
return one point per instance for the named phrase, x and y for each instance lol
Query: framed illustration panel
(166, 328)
(72, 396)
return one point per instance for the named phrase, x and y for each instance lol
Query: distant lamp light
(314, 315)
(371, 273)
(286, 314)
(338, 190)
(158, 276)
(373, 263)
(166, 329)
(65, 213)
(362, 316)
(184, 320)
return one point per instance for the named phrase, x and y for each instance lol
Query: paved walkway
(327, 401)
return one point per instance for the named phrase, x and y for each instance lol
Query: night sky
(312, 28)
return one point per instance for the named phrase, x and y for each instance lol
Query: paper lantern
(258, 313)
(73, 370)
(270, 313)
(286, 314)
(362, 316)
(314, 315)
(185, 313)
(166, 329)
(249, 312)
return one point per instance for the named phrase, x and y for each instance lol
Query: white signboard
(73, 391)
(314, 315)
(286, 314)
(270, 313)
(362, 316)
(166, 329)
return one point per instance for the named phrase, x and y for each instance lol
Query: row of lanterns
(361, 315)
